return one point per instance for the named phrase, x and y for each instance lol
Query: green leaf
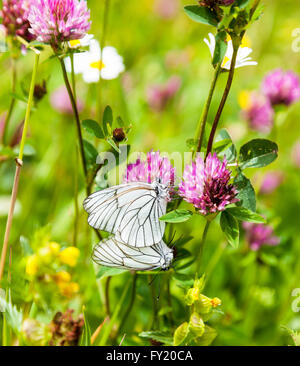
(12, 315)
(246, 193)
(109, 272)
(90, 152)
(208, 337)
(107, 119)
(86, 335)
(269, 259)
(93, 128)
(180, 334)
(220, 48)
(113, 144)
(201, 15)
(183, 280)
(177, 216)
(230, 152)
(243, 214)
(159, 336)
(258, 153)
(230, 228)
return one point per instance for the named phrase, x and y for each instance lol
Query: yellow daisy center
(97, 65)
(74, 42)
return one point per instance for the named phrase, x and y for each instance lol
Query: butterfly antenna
(159, 289)
(150, 283)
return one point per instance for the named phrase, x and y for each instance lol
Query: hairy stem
(102, 45)
(19, 164)
(223, 100)
(203, 119)
(76, 115)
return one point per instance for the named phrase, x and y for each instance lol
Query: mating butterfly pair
(131, 213)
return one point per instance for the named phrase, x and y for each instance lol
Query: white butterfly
(113, 253)
(131, 211)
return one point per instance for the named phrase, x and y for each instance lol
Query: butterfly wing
(113, 253)
(131, 211)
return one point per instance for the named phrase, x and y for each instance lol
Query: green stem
(203, 119)
(108, 327)
(76, 114)
(155, 322)
(129, 308)
(73, 77)
(102, 45)
(224, 99)
(201, 247)
(19, 164)
(76, 206)
(107, 302)
(12, 102)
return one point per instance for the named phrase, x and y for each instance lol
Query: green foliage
(177, 216)
(201, 15)
(257, 153)
(230, 228)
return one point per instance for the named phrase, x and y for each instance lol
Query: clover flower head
(14, 15)
(159, 95)
(154, 168)
(57, 21)
(257, 111)
(260, 234)
(281, 87)
(206, 185)
(271, 182)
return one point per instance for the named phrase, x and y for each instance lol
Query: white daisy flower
(90, 64)
(242, 56)
(83, 42)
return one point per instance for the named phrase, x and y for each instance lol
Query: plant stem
(155, 321)
(76, 114)
(202, 243)
(107, 302)
(203, 119)
(19, 164)
(102, 45)
(12, 102)
(132, 299)
(223, 100)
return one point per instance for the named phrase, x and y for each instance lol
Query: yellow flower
(62, 277)
(54, 248)
(68, 289)
(32, 265)
(69, 256)
(215, 302)
(244, 99)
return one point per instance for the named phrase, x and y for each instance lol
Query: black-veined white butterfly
(131, 211)
(113, 253)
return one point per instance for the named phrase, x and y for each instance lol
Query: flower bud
(40, 90)
(119, 134)
(196, 325)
